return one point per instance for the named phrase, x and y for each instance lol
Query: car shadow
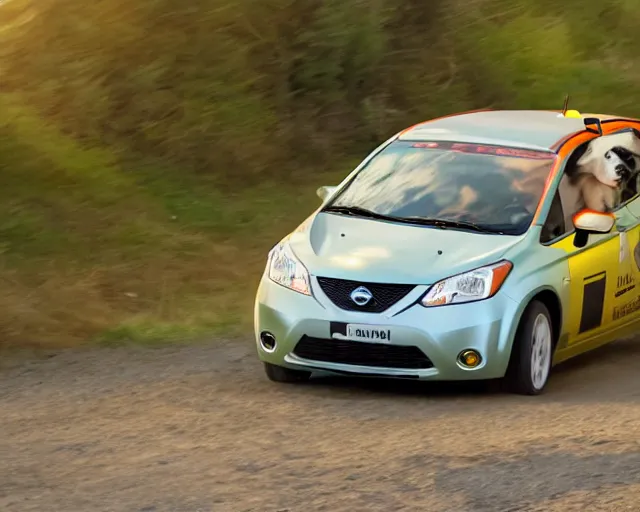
(405, 386)
(584, 377)
(622, 351)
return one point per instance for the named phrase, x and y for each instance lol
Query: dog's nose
(622, 171)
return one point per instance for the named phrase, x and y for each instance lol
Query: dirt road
(199, 428)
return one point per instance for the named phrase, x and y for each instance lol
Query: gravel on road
(200, 428)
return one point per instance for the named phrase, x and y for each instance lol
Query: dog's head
(619, 164)
(612, 159)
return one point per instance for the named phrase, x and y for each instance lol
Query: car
(445, 255)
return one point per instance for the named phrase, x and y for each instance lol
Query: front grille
(384, 295)
(362, 354)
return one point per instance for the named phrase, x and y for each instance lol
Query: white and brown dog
(605, 176)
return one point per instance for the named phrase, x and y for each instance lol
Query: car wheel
(532, 352)
(282, 374)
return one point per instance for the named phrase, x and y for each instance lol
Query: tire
(532, 353)
(282, 374)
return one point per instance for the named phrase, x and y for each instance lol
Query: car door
(601, 280)
(592, 283)
(627, 305)
(602, 288)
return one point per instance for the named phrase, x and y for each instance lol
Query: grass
(151, 152)
(93, 249)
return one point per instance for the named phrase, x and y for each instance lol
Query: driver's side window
(602, 174)
(566, 201)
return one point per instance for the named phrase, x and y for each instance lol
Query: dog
(608, 182)
(604, 176)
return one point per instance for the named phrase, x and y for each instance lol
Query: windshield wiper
(444, 224)
(357, 211)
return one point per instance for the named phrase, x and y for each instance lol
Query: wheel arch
(518, 376)
(553, 304)
(551, 299)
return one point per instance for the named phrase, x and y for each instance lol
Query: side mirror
(590, 221)
(325, 192)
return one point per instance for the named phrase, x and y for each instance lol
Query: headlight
(477, 284)
(286, 270)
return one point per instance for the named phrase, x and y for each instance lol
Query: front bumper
(442, 333)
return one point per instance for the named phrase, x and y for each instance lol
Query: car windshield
(489, 188)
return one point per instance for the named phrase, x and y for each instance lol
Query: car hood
(361, 249)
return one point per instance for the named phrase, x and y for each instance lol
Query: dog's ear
(586, 158)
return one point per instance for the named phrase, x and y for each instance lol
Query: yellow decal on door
(627, 296)
(593, 298)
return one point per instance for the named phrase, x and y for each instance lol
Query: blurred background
(152, 152)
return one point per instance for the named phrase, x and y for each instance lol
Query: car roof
(528, 129)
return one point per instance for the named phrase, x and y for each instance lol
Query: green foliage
(152, 151)
(231, 88)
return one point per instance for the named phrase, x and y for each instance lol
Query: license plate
(360, 332)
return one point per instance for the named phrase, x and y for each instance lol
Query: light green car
(447, 254)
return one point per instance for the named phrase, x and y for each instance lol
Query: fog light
(267, 341)
(469, 358)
